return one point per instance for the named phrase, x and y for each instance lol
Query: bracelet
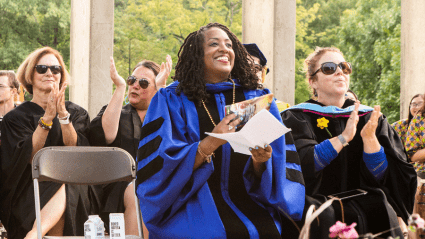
(64, 120)
(206, 157)
(342, 140)
(43, 124)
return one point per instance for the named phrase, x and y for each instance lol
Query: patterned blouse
(401, 129)
(415, 139)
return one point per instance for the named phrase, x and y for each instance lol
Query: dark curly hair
(190, 66)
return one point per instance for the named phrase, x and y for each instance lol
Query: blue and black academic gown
(393, 193)
(222, 199)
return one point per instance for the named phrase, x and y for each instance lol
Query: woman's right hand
(164, 73)
(51, 108)
(225, 126)
(115, 77)
(351, 127)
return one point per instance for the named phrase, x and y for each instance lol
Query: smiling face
(45, 82)
(334, 85)
(137, 96)
(219, 57)
(416, 105)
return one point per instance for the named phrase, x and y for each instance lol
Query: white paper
(263, 128)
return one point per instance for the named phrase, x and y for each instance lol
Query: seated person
(120, 126)
(351, 95)
(184, 191)
(46, 120)
(344, 146)
(401, 126)
(260, 63)
(415, 141)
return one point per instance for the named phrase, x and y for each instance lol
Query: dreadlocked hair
(190, 65)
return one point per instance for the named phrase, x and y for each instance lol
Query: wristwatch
(64, 120)
(342, 140)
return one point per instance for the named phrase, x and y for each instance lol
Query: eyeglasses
(4, 87)
(416, 104)
(142, 82)
(41, 69)
(258, 67)
(328, 68)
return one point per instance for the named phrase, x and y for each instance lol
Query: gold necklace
(232, 103)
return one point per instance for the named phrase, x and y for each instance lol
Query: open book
(248, 108)
(263, 128)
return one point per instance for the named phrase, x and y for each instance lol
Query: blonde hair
(26, 70)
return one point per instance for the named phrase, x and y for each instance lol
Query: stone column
(271, 25)
(412, 52)
(92, 41)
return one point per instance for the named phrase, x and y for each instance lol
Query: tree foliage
(370, 38)
(366, 31)
(152, 29)
(29, 24)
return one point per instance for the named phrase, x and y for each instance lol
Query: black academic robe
(348, 170)
(111, 196)
(17, 194)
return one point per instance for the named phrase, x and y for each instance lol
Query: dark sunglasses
(328, 68)
(41, 69)
(142, 82)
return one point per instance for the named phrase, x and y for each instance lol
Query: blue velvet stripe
(330, 109)
(377, 163)
(176, 202)
(324, 153)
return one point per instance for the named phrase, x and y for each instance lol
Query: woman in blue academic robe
(184, 191)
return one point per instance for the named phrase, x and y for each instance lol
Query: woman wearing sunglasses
(46, 120)
(345, 146)
(120, 126)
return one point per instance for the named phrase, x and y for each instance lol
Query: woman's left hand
(261, 155)
(161, 78)
(368, 133)
(60, 103)
(369, 130)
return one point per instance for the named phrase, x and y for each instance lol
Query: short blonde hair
(26, 70)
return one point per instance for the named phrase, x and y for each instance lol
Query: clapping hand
(369, 130)
(60, 101)
(351, 127)
(117, 79)
(161, 78)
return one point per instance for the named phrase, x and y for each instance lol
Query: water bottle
(89, 229)
(116, 226)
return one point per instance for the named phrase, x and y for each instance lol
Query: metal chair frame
(82, 166)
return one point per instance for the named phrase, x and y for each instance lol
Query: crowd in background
(196, 185)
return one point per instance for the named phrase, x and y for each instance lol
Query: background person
(415, 140)
(120, 126)
(260, 63)
(184, 192)
(9, 89)
(46, 120)
(351, 95)
(401, 126)
(344, 146)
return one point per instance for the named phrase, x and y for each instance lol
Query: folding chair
(82, 166)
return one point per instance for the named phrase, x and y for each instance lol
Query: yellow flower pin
(323, 123)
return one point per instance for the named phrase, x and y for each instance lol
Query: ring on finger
(230, 127)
